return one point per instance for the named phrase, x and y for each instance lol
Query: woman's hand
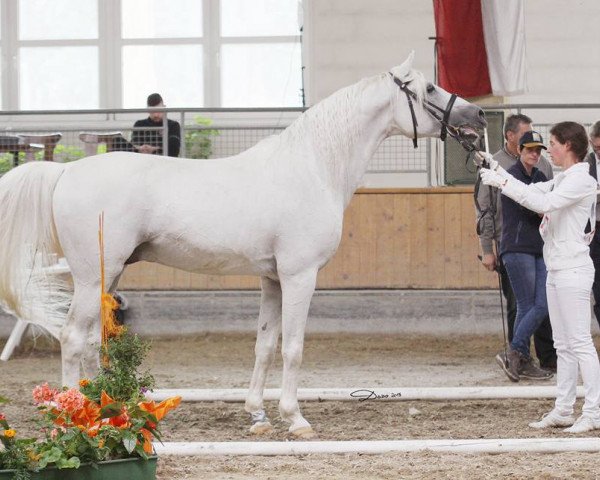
(492, 178)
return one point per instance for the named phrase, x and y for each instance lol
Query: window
(173, 70)
(57, 57)
(62, 19)
(76, 68)
(260, 54)
(260, 75)
(86, 54)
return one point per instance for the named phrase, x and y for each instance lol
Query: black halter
(435, 112)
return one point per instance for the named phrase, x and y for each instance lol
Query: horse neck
(343, 131)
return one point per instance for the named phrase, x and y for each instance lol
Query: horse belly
(213, 261)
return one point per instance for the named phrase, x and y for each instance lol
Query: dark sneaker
(510, 364)
(549, 366)
(528, 369)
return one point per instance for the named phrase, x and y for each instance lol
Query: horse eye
(430, 88)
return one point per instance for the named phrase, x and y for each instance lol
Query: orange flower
(147, 440)
(105, 399)
(160, 410)
(10, 433)
(88, 415)
(84, 382)
(71, 401)
(122, 420)
(101, 443)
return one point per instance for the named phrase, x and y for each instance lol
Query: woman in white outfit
(568, 204)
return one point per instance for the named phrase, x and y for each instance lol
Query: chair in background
(49, 142)
(15, 144)
(115, 141)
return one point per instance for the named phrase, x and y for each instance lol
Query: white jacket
(567, 202)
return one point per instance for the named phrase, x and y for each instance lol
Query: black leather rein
(435, 112)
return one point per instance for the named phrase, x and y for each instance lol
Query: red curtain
(461, 57)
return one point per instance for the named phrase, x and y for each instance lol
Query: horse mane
(333, 125)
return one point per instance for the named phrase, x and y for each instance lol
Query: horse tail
(29, 244)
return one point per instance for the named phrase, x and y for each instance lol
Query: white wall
(346, 40)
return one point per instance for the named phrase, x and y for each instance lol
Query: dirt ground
(361, 361)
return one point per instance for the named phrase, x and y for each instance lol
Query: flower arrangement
(106, 418)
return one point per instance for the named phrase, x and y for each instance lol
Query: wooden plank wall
(392, 238)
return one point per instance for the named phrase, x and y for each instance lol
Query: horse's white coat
(274, 210)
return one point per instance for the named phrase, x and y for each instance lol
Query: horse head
(432, 111)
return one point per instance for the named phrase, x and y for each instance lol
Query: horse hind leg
(80, 338)
(83, 323)
(297, 291)
(269, 328)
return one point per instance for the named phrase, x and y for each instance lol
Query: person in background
(568, 203)
(521, 253)
(151, 141)
(594, 160)
(489, 218)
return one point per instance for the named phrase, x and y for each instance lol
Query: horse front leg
(297, 293)
(269, 328)
(82, 322)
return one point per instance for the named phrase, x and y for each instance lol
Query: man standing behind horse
(594, 160)
(489, 217)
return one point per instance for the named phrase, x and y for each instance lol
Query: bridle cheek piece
(435, 112)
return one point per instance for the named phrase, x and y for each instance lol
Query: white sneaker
(554, 419)
(583, 424)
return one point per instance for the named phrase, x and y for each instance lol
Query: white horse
(274, 211)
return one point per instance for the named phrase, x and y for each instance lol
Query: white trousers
(568, 293)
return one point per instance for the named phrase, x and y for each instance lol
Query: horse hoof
(304, 433)
(261, 428)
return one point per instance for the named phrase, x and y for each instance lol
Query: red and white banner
(481, 47)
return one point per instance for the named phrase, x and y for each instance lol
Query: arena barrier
(375, 447)
(364, 394)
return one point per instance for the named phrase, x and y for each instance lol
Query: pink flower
(71, 401)
(44, 394)
(2, 417)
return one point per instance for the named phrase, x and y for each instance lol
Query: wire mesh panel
(229, 141)
(216, 134)
(397, 154)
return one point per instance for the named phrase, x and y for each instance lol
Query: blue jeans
(527, 273)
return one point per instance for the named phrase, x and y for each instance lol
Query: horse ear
(402, 70)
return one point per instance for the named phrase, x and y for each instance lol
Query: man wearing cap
(521, 251)
(489, 218)
(594, 160)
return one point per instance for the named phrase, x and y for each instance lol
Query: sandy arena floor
(226, 361)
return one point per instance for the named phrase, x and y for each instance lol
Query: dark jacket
(591, 159)
(155, 138)
(520, 226)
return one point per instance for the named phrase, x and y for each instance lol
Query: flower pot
(123, 469)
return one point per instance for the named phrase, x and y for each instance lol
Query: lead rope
(492, 212)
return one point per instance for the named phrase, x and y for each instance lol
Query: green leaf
(129, 441)
(111, 410)
(72, 462)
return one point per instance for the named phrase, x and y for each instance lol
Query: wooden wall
(392, 238)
